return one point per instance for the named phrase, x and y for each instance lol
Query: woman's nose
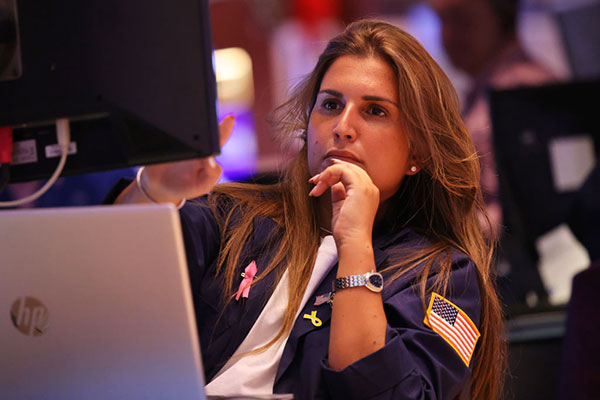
(345, 128)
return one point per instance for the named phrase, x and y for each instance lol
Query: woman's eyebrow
(337, 94)
(379, 98)
(332, 92)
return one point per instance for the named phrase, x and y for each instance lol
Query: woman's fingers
(319, 189)
(354, 200)
(338, 192)
(189, 178)
(341, 172)
(209, 174)
(225, 128)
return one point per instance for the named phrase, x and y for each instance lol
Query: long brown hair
(441, 201)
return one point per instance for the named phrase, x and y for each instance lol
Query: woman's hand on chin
(354, 201)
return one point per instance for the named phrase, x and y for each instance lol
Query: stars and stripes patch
(452, 324)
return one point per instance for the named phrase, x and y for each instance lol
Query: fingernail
(314, 178)
(311, 192)
(211, 162)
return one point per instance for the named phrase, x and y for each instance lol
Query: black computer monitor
(134, 77)
(539, 134)
(546, 142)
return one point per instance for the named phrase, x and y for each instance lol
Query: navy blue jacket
(415, 363)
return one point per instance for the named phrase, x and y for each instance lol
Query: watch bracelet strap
(349, 281)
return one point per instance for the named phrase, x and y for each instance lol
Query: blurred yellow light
(233, 68)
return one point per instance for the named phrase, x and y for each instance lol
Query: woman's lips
(343, 155)
(347, 159)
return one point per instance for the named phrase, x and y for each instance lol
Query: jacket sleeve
(201, 237)
(416, 362)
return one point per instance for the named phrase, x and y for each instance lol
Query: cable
(63, 135)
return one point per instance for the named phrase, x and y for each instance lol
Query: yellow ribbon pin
(313, 318)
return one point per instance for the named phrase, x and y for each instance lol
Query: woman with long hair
(363, 273)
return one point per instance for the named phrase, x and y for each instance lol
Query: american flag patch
(452, 324)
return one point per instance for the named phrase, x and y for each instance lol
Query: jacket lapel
(240, 315)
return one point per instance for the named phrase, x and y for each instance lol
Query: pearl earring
(413, 169)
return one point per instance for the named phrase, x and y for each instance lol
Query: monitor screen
(135, 79)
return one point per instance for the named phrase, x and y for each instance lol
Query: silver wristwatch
(372, 280)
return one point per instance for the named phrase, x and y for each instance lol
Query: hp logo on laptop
(29, 316)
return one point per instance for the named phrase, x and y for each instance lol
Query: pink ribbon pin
(249, 273)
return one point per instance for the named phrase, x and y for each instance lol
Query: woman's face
(357, 118)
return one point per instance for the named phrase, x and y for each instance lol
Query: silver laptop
(95, 304)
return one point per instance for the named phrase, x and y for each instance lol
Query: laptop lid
(95, 304)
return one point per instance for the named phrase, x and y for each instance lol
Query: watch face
(375, 282)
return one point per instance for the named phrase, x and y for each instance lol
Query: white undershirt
(254, 374)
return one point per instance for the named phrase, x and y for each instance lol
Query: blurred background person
(480, 38)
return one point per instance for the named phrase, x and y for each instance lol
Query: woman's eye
(330, 105)
(377, 111)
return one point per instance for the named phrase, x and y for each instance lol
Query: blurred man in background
(480, 38)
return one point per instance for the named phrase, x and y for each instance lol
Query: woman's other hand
(175, 181)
